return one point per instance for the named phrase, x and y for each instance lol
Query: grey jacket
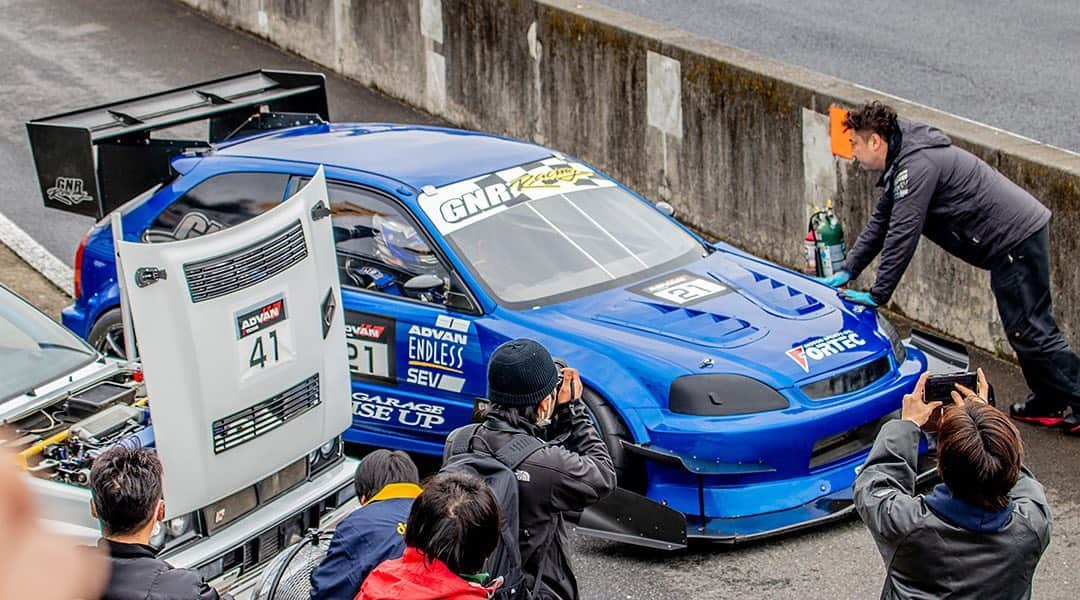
(941, 547)
(959, 202)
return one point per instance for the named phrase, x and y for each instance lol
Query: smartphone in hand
(939, 388)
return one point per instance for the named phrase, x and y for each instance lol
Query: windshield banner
(461, 204)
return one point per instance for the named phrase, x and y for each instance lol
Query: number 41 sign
(265, 337)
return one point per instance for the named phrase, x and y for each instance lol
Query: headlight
(172, 530)
(329, 448)
(722, 395)
(324, 456)
(898, 349)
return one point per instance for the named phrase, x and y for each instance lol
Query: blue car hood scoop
(686, 324)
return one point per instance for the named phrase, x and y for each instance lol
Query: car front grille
(221, 275)
(848, 381)
(249, 423)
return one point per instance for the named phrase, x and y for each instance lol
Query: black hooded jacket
(935, 189)
(570, 474)
(137, 574)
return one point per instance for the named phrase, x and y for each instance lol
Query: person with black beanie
(530, 395)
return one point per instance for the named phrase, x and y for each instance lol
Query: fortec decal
(819, 348)
(260, 318)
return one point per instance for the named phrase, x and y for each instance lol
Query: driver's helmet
(398, 243)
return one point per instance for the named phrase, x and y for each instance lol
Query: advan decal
(460, 204)
(820, 348)
(437, 354)
(425, 415)
(265, 315)
(682, 288)
(370, 342)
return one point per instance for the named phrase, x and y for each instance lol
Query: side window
(218, 203)
(379, 248)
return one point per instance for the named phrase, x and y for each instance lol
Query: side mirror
(424, 284)
(665, 208)
(426, 288)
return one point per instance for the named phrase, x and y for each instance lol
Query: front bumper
(232, 559)
(786, 491)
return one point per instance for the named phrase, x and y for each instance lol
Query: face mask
(546, 420)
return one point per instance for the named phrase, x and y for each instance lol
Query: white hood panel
(243, 374)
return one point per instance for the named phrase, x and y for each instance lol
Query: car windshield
(561, 246)
(34, 349)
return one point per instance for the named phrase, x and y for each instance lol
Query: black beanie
(521, 373)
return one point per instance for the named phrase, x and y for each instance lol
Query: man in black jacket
(567, 475)
(982, 531)
(975, 213)
(126, 498)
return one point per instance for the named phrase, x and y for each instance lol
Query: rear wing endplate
(92, 160)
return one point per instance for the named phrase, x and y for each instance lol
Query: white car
(245, 393)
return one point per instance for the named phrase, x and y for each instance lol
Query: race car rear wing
(92, 160)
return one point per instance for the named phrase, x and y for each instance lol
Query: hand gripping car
(737, 398)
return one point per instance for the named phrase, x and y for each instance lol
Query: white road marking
(43, 261)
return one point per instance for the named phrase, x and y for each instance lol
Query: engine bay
(61, 441)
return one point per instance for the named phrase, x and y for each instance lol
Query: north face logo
(522, 475)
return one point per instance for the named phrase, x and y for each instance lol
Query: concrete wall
(738, 143)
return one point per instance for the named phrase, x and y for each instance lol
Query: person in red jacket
(452, 528)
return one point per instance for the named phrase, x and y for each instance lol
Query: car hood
(243, 347)
(727, 313)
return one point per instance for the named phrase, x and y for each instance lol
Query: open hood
(242, 341)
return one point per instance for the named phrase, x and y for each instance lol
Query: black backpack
(498, 469)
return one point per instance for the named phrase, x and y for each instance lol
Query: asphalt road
(1007, 64)
(63, 55)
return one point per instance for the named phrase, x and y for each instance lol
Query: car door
(416, 364)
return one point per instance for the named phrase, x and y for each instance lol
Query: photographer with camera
(981, 531)
(542, 456)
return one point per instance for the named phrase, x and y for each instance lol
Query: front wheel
(629, 468)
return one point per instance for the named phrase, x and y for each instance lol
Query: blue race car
(738, 399)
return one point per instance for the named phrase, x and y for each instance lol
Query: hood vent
(684, 324)
(771, 295)
(247, 424)
(243, 268)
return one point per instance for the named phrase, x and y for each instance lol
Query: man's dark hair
(874, 117)
(126, 486)
(381, 468)
(456, 520)
(515, 415)
(979, 454)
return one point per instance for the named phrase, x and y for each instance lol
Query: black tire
(107, 334)
(629, 467)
